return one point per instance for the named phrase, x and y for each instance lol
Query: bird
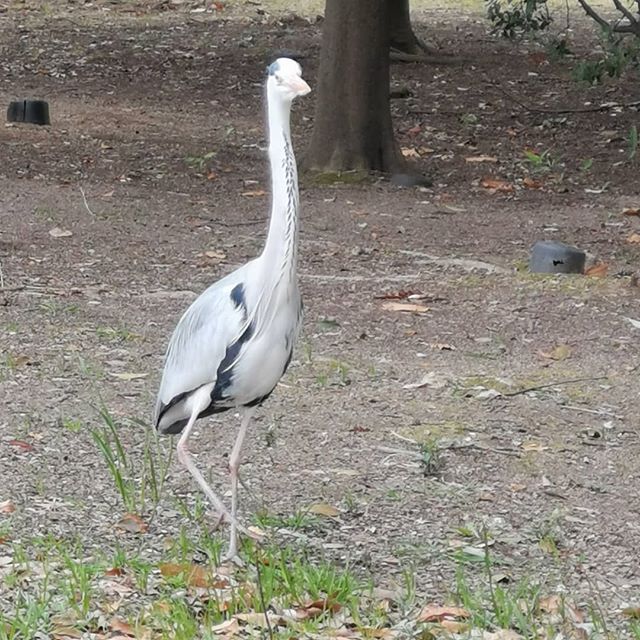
(235, 341)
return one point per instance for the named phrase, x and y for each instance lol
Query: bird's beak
(300, 87)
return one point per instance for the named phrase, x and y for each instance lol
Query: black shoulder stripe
(237, 297)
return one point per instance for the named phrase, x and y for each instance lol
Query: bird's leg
(234, 465)
(199, 403)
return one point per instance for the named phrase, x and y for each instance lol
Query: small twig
(480, 447)
(601, 107)
(261, 594)
(519, 392)
(597, 412)
(411, 440)
(1, 277)
(86, 204)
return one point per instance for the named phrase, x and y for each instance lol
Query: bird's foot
(232, 558)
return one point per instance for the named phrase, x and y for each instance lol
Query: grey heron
(235, 341)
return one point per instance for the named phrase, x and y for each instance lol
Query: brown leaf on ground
(323, 509)
(195, 575)
(598, 270)
(501, 634)
(407, 307)
(560, 352)
(122, 627)
(550, 604)
(132, 523)
(227, 628)
(315, 608)
(631, 211)
(532, 183)
(256, 619)
(57, 232)
(114, 571)
(410, 152)
(634, 238)
(437, 613)
(494, 184)
(455, 626)
(65, 633)
(7, 507)
(632, 612)
(21, 444)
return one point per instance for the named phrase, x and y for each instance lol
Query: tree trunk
(352, 128)
(403, 38)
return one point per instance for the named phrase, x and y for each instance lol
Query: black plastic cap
(556, 257)
(31, 111)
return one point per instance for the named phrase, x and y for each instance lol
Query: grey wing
(199, 345)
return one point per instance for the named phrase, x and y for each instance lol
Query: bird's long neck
(280, 251)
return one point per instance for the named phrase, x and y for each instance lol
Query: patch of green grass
(297, 521)
(74, 425)
(136, 483)
(328, 178)
(54, 308)
(542, 162)
(116, 334)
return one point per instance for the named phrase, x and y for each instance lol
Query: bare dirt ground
(157, 116)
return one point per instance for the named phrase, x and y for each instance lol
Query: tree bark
(403, 38)
(352, 128)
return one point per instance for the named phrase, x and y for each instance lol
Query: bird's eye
(279, 78)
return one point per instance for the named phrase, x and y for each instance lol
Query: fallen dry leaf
(533, 446)
(21, 444)
(256, 619)
(410, 152)
(324, 509)
(65, 633)
(442, 346)
(481, 158)
(195, 575)
(634, 238)
(495, 184)
(598, 270)
(550, 604)
(123, 627)
(437, 613)
(501, 634)
(127, 376)
(455, 626)
(561, 352)
(408, 307)
(632, 612)
(631, 212)
(227, 628)
(7, 506)
(531, 183)
(320, 605)
(132, 523)
(57, 232)
(431, 379)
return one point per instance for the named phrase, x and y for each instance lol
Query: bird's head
(285, 79)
